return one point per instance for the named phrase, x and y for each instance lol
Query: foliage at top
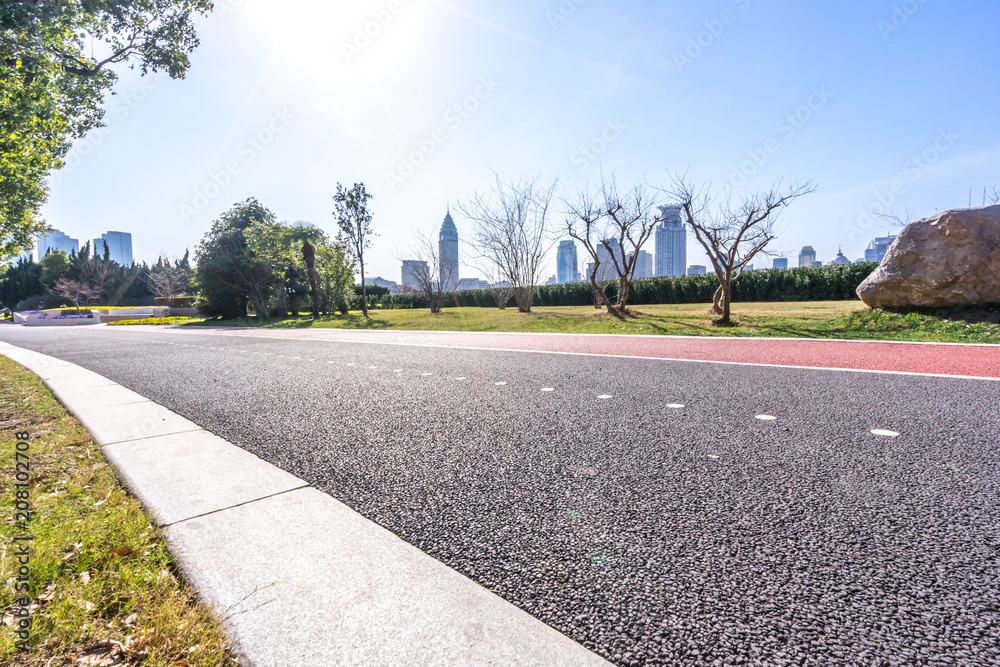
(56, 63)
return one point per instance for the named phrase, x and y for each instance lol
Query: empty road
(657, 511)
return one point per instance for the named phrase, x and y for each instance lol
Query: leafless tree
(75, 292)
(431, 275)
(993, 197)
(509, 234)
(732, 232)
(895, 220)
(614, 224)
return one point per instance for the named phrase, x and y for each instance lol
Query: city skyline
(463, 88)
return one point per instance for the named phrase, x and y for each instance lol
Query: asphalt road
(651, 534)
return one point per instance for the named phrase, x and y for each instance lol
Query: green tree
(304, 234)
(355, 222)
(225, 268)
(334, 275)
(55, 265)
(19, 282)
(56, 62)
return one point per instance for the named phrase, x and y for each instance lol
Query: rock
(952, 259)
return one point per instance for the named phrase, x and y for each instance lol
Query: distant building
(379, 281)
(696, 270)
(671, 243)
(606, 270)
(839, 260)
(748, 268)
(414, 273)
(448, 253)
(878, 248)
(551, 281)
(643, 266)
(472, 284)
(118, 245)
(780, 263)
(567, 270)
(56, 240)
(807, 258)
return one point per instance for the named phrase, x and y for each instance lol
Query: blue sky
(882, 103)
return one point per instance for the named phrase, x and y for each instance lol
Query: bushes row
(828, 283)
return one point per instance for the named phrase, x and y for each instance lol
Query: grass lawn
(823, 319)
(102, 589)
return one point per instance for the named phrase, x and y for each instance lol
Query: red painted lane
(962, 360)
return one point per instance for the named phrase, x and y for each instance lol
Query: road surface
(641, 506)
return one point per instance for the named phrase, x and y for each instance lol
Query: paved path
(923, 358)
(657, 512)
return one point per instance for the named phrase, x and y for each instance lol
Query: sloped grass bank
(101, 585)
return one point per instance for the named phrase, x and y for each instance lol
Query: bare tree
(75, 292)
(992, 198)
(509, 234)
(614, 224)
(355, 222)
(733, 233)
(431, 275)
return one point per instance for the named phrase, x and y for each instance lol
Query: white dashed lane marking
(500, 384)
(675, 406)
(604, 396)
(767, 418)
(548, 389)
(884, 433)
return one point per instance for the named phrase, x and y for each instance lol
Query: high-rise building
(696, 270)
(671, 243)
(780, 263)
(415, 272)
(606, 270)
(878, 248)
(56, 240)
(807, 258)
(119, 246)
(643, 266)
(567, 270)
(448, 253)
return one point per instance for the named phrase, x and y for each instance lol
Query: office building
(415, 273)
(643, 266)
(448, 253)
(472, 284)
(807, 258)
(118, 245)
(567, 270)
(56, 240)
(607, 270)
(780, 263)
(671, 243)
(696, 270)
(878, 248)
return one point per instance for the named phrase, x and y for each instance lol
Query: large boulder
(952, 259)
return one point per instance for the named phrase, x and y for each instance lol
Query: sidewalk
(297, 577)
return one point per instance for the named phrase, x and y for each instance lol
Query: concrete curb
(297, 577)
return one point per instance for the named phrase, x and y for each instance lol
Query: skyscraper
(606, 270)
(56, 240)
(567, 270)
(643, 266)
(414, 274)
(671, 243)
(448, 253)
(807, 258)
(119, 245)
(780, 262)
(878, 248)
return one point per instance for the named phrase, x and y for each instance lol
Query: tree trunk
(309, 255)
(726, 302)
(717, 300)
(364, 294)
(624, 291)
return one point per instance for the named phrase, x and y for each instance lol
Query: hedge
(828, 283)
